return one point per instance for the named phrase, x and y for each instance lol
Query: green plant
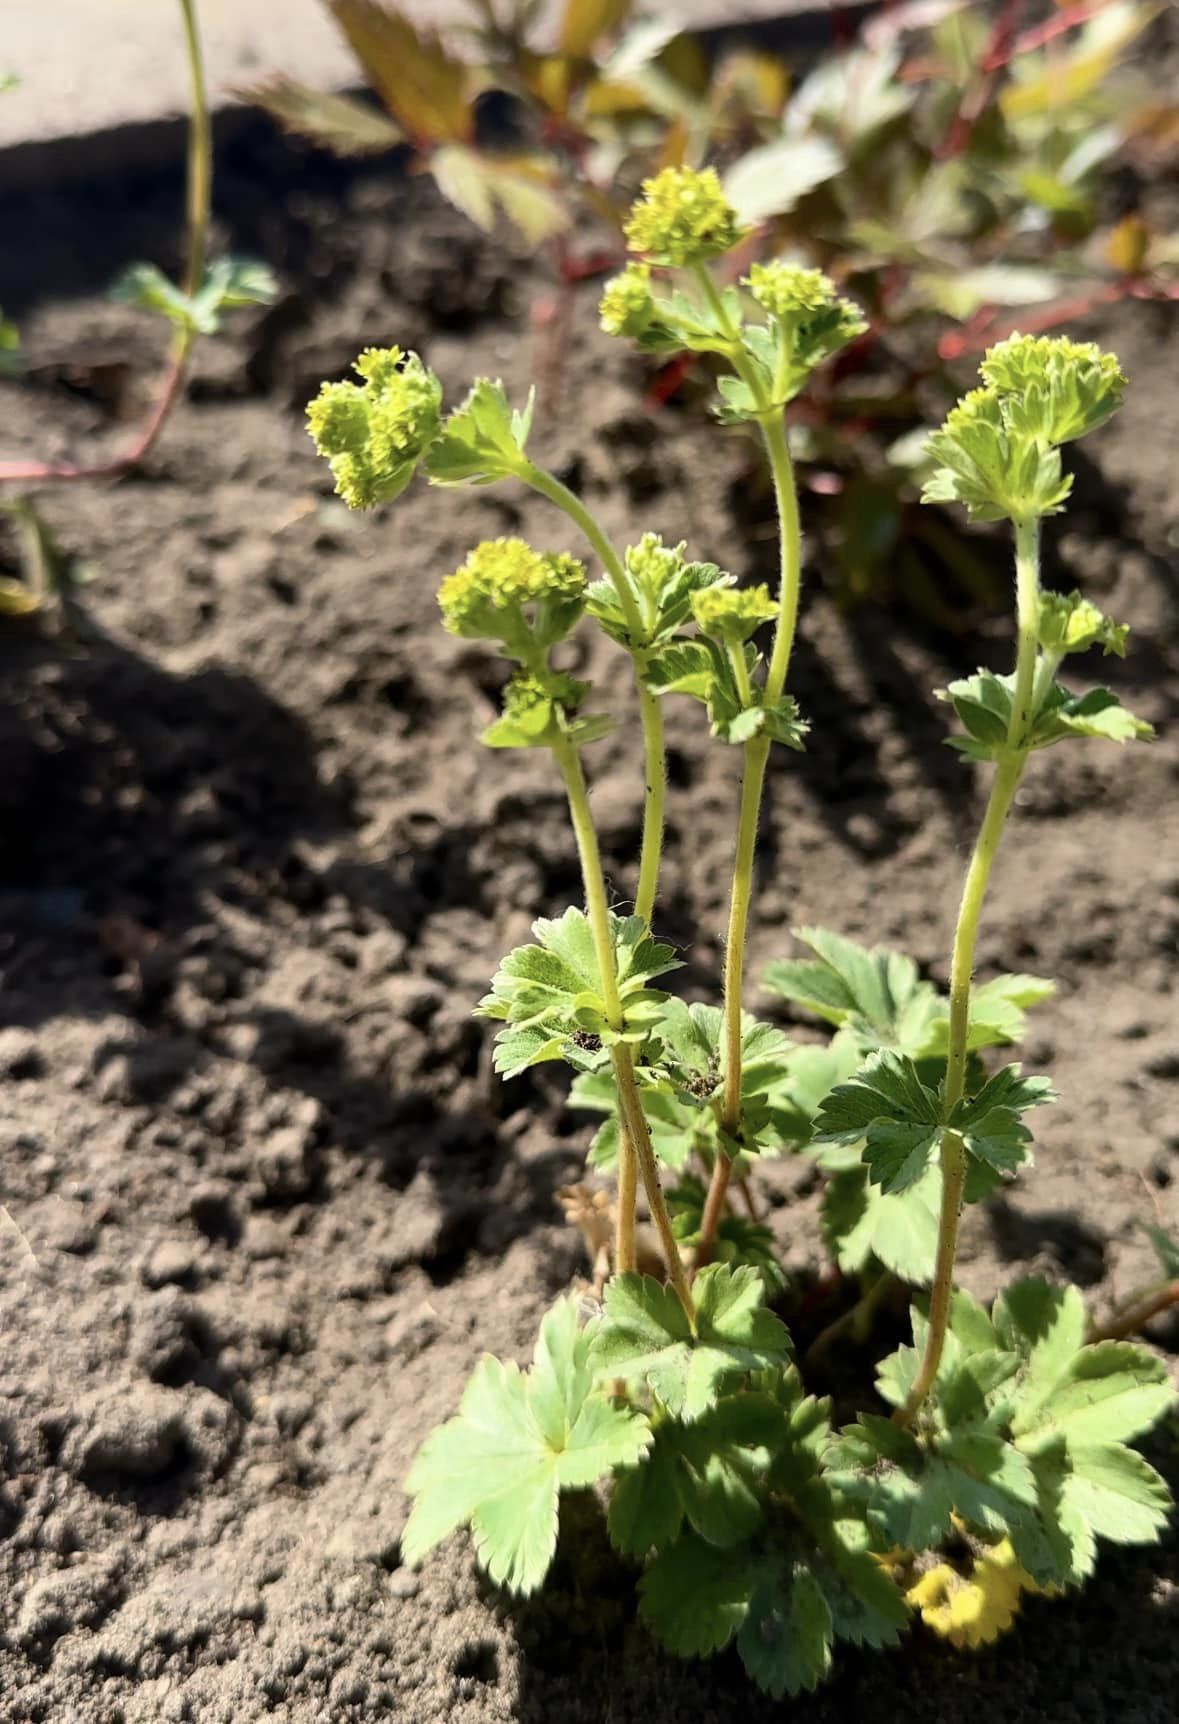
(750, 1517)
(194, 308)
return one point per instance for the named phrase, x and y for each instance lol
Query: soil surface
(265, 1203)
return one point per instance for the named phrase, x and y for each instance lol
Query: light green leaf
(896, 1114)
(339, 123)
(645, 1337)
(771, 178)
(481, 441)
(518, 1440)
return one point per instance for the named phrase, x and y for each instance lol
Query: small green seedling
(193, 308)
(996, 1452)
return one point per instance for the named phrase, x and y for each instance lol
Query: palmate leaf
(521, 188)
(645, 1338)
(701, 669)
(861, 1222)
(517, 1441)
(1024, 1432)
(229, 283)
(898, 1117)
(738, 1239)
(710, 1472)
(550, 994)
(984, 703)
(878, 996)
(481, 441)
(426, 89)
(339, 123)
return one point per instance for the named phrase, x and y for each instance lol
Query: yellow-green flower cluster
(999, 449)
(683, 217)
(374, 433)
(787, 289)
(508, 592)
(732, 614)
(652, 564)
(1070, 623)
(627, 304)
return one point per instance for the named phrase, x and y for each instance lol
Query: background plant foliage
(950, 165)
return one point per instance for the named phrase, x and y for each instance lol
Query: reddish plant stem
(42, 472)
(1125, 1323)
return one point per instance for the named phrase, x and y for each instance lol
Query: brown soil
(265, 1203)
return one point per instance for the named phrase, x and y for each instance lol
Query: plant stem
(756, 757)
(1135, 1316)
(198, 200)
(650, 709)
(635, 1131)
(1027, 595)
(655, 796)
(1008, 773)
(856, 1320)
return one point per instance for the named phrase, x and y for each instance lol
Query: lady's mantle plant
(751, 1517)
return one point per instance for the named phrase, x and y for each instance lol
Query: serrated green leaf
(518, 1440)
(845, 980)
(553, 991)
(860, 1221)
(645, 1338)
(1117, 1494)
(897, 1116)
(646, 1510)
(1110, 1392)
(338, 123)
(989, 1122)
(482, 441)
(785, 1639)
(694, 1598)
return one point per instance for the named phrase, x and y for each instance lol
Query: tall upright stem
(1008, 773)
(634, 1129)
(650, 710)
(756, 757)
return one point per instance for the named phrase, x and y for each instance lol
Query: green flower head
(786, 289)
(1058, 388)
(374, 433)
(627, 304)
(732, 615)
(1070, 623)
(992, 466)
(682, 217)
(506, 591)
(653, 565)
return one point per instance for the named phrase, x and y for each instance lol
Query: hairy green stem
(1008, 773)
(650, 709)
(635, 1131)
(756, 757)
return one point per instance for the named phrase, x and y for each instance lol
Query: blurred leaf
(347, 127)
(854, 94)
(514, 186)
(10, 359)
(749, 85)
(1128, 246)
(960, 293)
(585, 22)
(1061, 79)
(640, 47)
(772, 178)
(425, 88)
(49, 575)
